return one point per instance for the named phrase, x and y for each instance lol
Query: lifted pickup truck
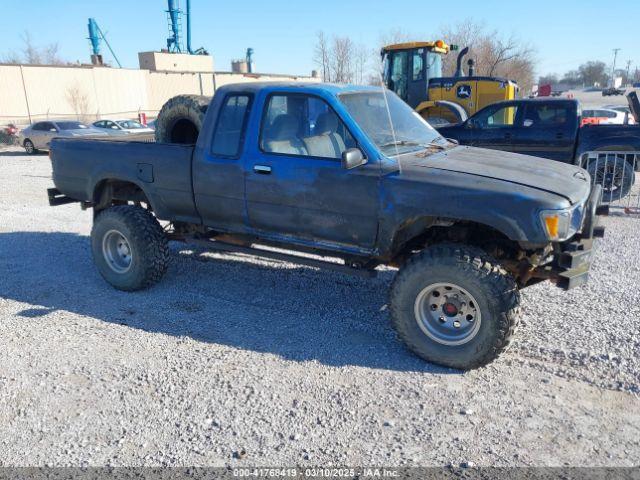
(319, 169)
(550, 128)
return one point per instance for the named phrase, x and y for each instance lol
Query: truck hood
(568, 181)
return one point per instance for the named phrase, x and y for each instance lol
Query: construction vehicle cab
(414, 72)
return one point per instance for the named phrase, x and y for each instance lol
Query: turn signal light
(439, 44)
(552, 223)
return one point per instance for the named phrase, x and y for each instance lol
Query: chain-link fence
(7, 137)
(616, 172)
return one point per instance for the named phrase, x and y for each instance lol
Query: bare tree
(79, 102)
(494, 54)
(342, 53)
(12, 58)
(321, 56)
(396, 35)
(340, 60)
(550, 79)
(32, 54)
(362, 57)
(594, 73)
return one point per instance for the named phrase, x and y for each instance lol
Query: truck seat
(282, 137)
(325, 142)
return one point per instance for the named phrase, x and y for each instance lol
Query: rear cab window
(228, 135)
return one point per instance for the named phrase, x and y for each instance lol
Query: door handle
(262, 169)
(559, 135)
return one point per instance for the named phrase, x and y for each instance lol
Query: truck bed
(162, 171)
(608, 137)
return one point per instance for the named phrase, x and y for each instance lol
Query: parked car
(550, 128)
(612, 91)
(351, 173)
(624, 109)
(608, 116)
(122, 127)
(38, 136)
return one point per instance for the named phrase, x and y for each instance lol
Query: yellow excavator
(414, 72)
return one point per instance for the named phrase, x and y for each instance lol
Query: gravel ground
(232, 360)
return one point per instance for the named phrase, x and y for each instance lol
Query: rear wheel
(129, 247)
(616, 176)
(29, 147)
(453, 305)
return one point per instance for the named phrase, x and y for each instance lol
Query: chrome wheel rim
(116, 251)
(28, 146)
(447, 313)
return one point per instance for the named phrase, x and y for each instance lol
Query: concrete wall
(176, 62)
(91, 93)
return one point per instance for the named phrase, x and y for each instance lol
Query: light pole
(613, 68)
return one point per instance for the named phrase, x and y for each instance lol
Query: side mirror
(528, 122)
(352, 158)
(53, 129)
(471, 124)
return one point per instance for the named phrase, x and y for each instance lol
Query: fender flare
(98, 188)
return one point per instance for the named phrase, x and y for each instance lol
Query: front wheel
(129, 247)
(455, 306)
(29, 147)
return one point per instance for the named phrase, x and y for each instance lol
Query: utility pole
(628, 67)
(613, 67)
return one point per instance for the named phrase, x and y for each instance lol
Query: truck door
(547, 131)
(218, 172)
(417, 84)
(496, 127)
(397, 73)
(295, 184)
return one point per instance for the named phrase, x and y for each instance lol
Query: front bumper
(572, 259)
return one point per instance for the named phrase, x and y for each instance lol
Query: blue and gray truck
(355, 177)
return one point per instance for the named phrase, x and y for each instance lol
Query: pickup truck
(353, 176)
(550, 128)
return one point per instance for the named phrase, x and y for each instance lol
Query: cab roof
(444, 48)
(310, 87)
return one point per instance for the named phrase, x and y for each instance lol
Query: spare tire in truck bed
(181, 118)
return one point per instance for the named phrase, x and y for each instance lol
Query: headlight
(562, 224)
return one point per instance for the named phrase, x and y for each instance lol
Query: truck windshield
(397, 130)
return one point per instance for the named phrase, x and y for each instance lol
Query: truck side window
(304, 125)
(227, 138)
(545, 116)
(502, 117)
